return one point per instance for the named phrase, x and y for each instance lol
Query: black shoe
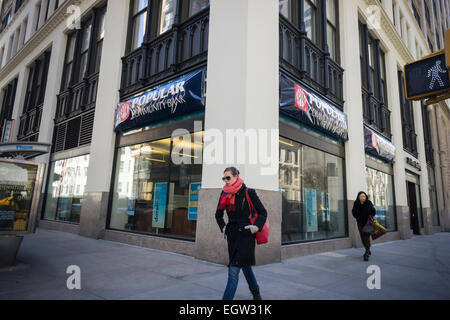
(370, 253)
(256, 295)
(366, 257)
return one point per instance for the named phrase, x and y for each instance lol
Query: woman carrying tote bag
(240, 232)
(363, 211)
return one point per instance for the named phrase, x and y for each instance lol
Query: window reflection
(197, 6)
(156, 185)
(168, 9)
(311, 183)
(380, 191)
(66, 188)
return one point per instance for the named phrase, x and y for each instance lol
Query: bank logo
(124, 112)
(301, 98)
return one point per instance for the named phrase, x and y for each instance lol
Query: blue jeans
(233, 279)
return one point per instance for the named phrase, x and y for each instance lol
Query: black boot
(366, 256)
(256, 294)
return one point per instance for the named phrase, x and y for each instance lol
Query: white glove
(253, 229)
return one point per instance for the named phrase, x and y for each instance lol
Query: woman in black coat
(239, 231)
(362, 209)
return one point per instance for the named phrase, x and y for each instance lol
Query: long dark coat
(241, 242)
(361, 212)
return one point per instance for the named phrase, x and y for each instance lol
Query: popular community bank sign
(307, 107)
(181, 96)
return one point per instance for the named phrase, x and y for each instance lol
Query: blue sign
(303, 105)
(159, 205)
(311, 210)
(175, 98)
(194, 189)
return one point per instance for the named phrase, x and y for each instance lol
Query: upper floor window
(83, 55)
(320, 21)
(139, 22)
(168, 11)
(332, 28)
(408, 126)
(285, 9)
(150, 19)
(68, 64)
(310, 16)
(37, 81)
(196, 6)
(84, 49)
(6, 110)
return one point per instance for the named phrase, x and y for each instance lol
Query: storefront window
(380, 189)
(156, 187)
(65, 190)
(312, 187)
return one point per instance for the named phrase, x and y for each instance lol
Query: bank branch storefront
(312, 174)
(158, 159)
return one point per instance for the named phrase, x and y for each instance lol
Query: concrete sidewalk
(418, 268)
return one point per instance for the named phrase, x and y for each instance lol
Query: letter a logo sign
(301, 100)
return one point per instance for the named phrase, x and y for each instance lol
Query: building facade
(136, 97)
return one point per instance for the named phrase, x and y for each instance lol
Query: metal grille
(87, 124)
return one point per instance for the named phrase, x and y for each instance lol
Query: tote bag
(262, 236)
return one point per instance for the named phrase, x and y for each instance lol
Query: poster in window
(159, 205)
(194, 189)
(131, 207)
(311, 210)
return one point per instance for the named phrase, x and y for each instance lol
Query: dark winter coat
(361, 211)
(241, 242)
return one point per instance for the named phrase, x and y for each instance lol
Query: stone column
(243, 82)
(50, 101)
(439, 141)
(20, 99)
(424, 189)
(95, 202)
(401, 200)
(355, 157)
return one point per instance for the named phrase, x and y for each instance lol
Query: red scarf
(228, 198)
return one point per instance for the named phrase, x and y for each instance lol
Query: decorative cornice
(39, 36)
(388, 27)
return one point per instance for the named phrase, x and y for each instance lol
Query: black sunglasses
(226, 178)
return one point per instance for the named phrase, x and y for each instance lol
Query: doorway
(413, 210)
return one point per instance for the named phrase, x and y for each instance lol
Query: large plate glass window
(380, 189)
(156, 187)
(312, 187)
(67, 182)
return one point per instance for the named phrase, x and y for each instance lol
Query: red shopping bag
(262, 236)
